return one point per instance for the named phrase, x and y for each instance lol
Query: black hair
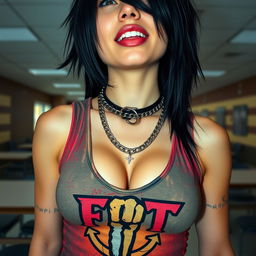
(179, 68)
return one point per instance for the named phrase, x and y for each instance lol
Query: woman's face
(135, 50)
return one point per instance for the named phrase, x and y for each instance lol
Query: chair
(7, 222)
(26, 229)
(28, 140)
(15, 250)
(11, 145)
(13, 171)
(236, 148)
(242, 199)
(247, 225)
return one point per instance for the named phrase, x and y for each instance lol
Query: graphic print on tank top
(125, 217)
(100, 219)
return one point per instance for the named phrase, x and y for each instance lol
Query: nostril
(132, 14)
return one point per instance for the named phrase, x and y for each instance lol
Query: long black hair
(179, 68)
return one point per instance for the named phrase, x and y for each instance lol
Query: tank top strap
(76, 138)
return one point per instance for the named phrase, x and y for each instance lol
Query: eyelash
(101, 3)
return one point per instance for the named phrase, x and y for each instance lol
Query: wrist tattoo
(46, 210)
(219, 205)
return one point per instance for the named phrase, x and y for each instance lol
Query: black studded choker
(130, 114)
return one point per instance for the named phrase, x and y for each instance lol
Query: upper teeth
(130, 34)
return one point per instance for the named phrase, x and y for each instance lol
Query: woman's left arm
(215, 155)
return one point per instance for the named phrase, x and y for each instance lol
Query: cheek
(104, 27)
(101, 38)
(163, 46)
(160, 45)
(100, 30)
(163, 41)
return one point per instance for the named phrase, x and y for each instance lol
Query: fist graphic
(128, 211)
(125, 218)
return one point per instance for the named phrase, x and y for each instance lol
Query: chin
(134, 60)
(129, 60)
(132, 65)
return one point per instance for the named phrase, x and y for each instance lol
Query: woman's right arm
(48, 140)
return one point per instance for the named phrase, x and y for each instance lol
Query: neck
(134, 88)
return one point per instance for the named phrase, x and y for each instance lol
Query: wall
(16, 110)
(240, 93)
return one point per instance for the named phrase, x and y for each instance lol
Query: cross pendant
(129, 158)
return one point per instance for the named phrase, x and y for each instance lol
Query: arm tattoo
(220, 205)
(46, 210)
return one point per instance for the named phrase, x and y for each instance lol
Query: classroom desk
(243, 178)
(22, 159)
(17, 197)
(15, 155)
(25, 146)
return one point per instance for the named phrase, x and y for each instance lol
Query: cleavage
(110, 163)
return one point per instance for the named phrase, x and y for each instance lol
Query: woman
(105, 184)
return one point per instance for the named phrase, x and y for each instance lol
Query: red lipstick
(133, 40)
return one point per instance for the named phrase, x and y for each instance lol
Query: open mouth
(131, 35)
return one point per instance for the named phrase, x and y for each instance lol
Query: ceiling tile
(216, 36)
(238, 48)
(252, 24)
(26, 2)
(226, 17)
(219, 56)
(227, 3)
(8, 18)
(51, 34)
(43, 14)
(216, 66)
(22, 59)
(206, 50)
(57, 48)
(28, 48)
(233, 76)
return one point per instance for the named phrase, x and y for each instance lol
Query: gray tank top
(101, 219)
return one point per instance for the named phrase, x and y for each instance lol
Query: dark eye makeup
(104, 3)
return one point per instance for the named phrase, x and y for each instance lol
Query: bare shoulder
(208, 132)
(211, 138)
(56, 119)
(53, 127)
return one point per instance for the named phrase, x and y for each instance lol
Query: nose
(127, 12)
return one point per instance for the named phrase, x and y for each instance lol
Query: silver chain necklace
(117, 144)
(130, 114)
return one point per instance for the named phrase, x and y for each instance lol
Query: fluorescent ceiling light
(48, 72)
(16, 34)
(245, 37)
(76, 93)
(65, 85)
(213, 73)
